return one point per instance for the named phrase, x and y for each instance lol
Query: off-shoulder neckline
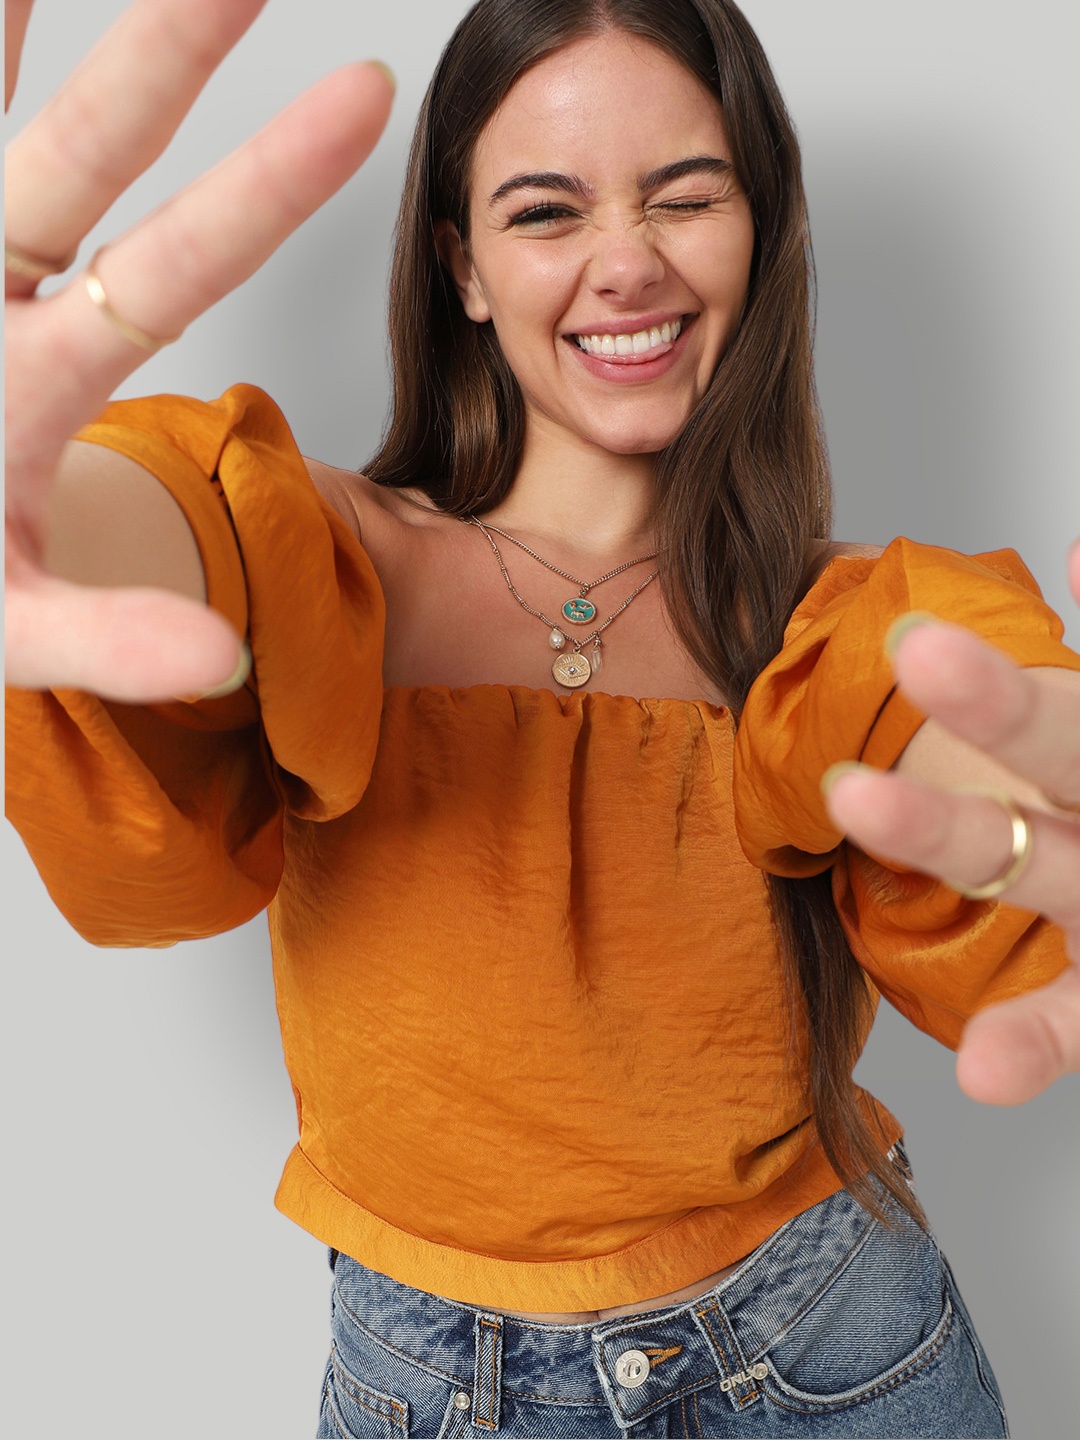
(579, 696)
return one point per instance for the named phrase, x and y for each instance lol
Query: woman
(594, 428)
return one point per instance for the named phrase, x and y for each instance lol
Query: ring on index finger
(1023, 840)
(96, 291)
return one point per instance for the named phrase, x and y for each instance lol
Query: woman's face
(610, 242)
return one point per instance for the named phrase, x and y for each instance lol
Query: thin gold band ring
(1023, 840)
(139, 337)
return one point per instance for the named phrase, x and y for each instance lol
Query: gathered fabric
(544, 1052)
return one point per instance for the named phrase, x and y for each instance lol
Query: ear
(454, 256)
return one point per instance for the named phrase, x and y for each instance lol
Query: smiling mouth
(638, 343)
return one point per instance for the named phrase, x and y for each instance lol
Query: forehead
(604, 106)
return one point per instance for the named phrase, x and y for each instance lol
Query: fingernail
(901, 625)
(833, 773)
(390, 76)
(235, 680)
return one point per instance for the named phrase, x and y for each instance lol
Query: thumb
(136, 645)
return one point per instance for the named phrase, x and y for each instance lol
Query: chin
(636, 447)
(638, 442)
(635, 431)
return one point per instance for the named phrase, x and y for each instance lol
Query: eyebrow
(679, 169)
(543, 180)
(574, 185)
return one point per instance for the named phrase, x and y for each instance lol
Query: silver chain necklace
(572, 669)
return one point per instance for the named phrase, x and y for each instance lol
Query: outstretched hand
(1028, 721)
(109, 121)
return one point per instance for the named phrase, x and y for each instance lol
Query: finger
(216, 233)
(1029, 724)
(188, 254)
(134, 645)
(961, 839)
(113, 117)
(16, 19)
(1011, 1052)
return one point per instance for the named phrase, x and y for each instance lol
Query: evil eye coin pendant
(572, 669)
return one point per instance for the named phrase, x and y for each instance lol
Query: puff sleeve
(152, 824)
(830, 695)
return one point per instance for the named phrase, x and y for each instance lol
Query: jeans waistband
(683, 1347)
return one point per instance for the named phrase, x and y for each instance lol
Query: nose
(624, 262)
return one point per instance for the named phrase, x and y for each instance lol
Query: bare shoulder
(826, 550)
(830, 549)
(363, 505)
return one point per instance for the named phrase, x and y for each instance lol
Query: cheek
(716, 263)
(530, 292)
(731, 277)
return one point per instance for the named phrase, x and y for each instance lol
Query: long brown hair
(743, 491)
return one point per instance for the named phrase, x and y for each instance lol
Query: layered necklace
(572, 668)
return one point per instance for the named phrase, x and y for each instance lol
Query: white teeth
(638, 343)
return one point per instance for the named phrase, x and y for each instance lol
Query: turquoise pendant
(579, 612)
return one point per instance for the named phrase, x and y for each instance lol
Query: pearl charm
(556, 639)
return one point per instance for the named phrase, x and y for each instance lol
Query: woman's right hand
(109, 121)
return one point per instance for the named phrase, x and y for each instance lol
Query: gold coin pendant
(572, 669)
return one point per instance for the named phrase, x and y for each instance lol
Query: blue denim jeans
(835, 1326)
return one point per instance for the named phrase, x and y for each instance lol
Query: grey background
(150, 1286)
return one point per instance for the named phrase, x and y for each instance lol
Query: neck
(571, 495)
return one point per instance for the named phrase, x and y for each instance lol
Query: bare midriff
(584, 1317)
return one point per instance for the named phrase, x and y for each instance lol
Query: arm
(111, 522)
(1016, 730)
(151, 820)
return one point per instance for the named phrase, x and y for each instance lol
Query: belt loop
(487, 1377)
(739, 1380)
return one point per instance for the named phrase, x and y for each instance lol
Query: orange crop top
(530, 994)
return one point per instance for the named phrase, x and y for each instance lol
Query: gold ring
(34, 267)
(1023, 839)
(96, 291)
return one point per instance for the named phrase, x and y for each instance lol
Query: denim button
(461, 1401)
(632, 1369)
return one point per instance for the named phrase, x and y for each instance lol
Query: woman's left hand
(1027, 721)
